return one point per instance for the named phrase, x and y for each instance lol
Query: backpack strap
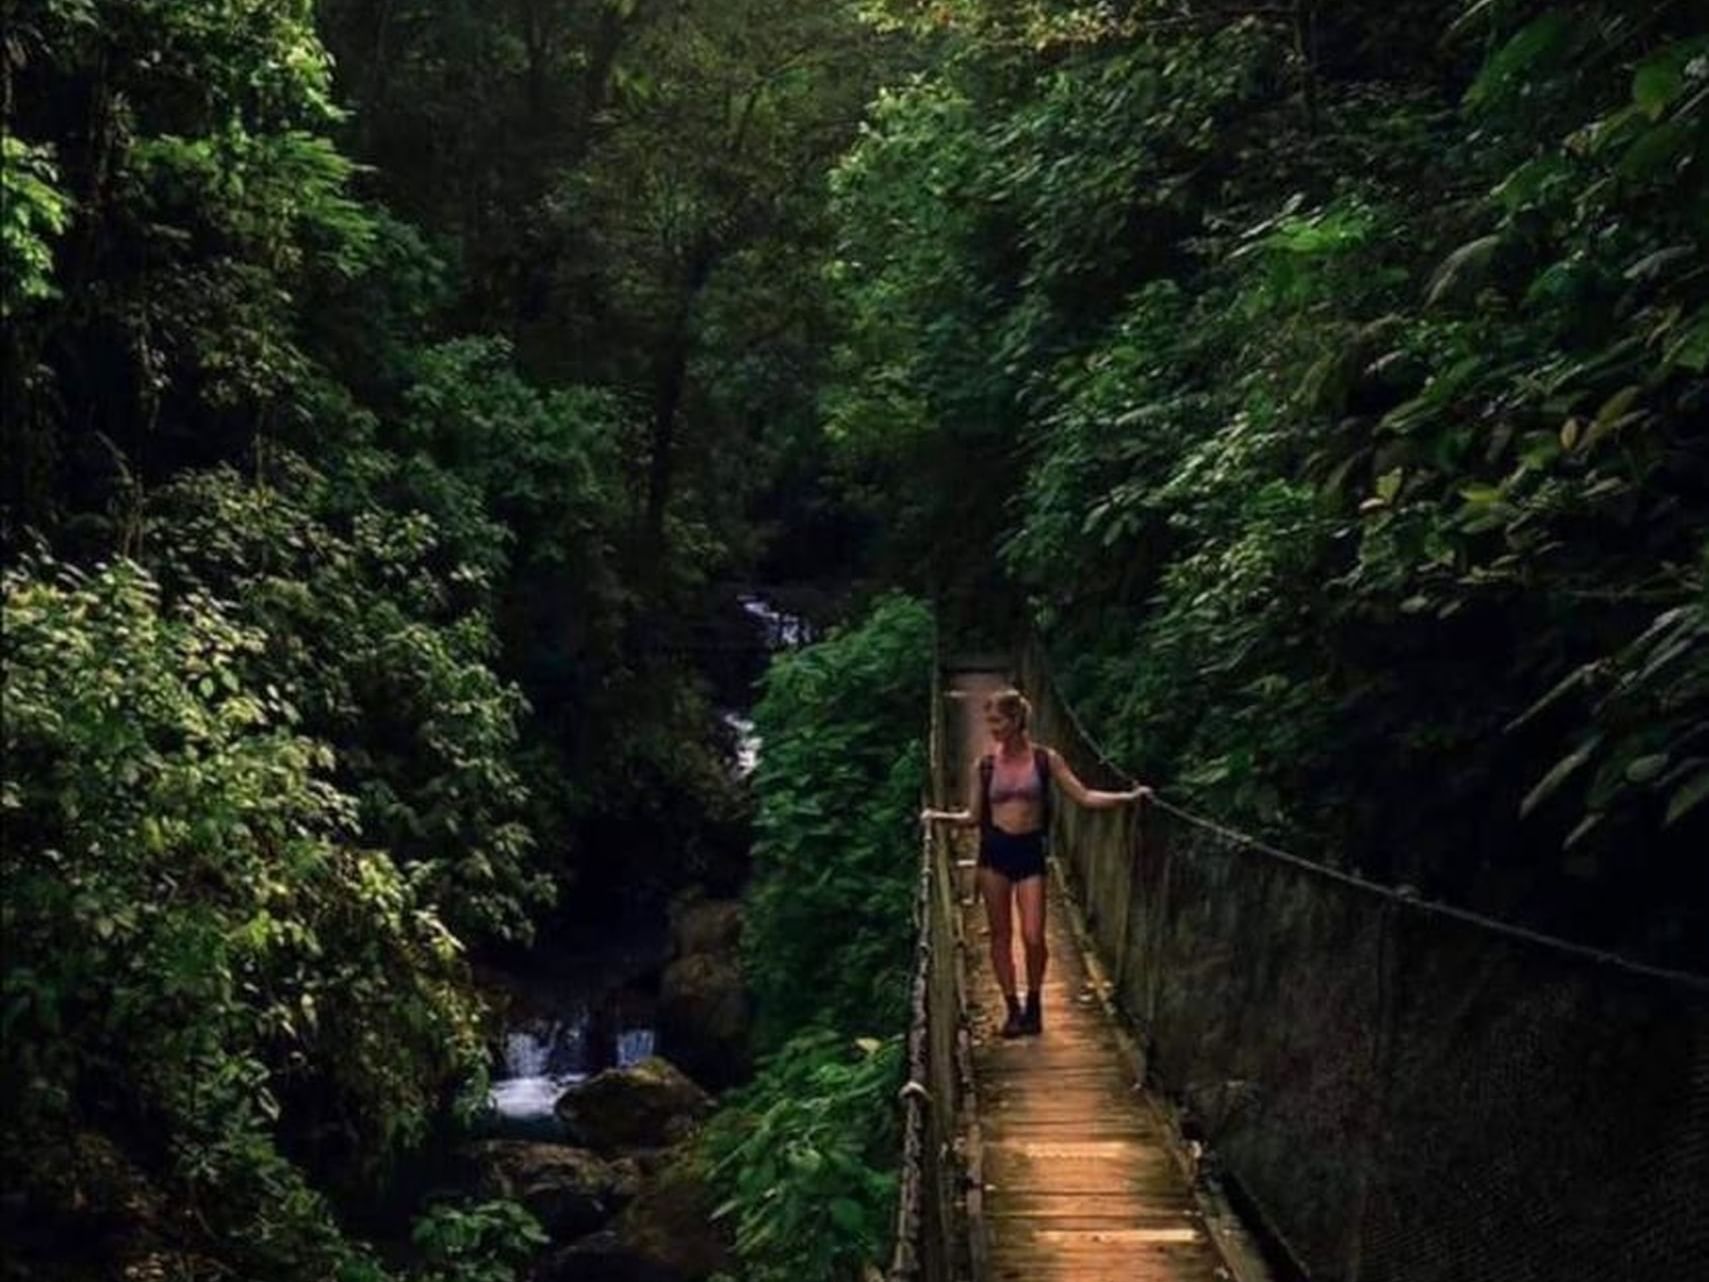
(1041, 763)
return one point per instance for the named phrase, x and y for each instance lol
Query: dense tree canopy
(393, 390)
(375, 430)
(1335, 387)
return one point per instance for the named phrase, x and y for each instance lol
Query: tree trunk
(670, 380)
(669, 377)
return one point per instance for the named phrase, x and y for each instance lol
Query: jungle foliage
(387, 383)
(804, 1156)
(198, 944)
(376, 427)
(1334, 381)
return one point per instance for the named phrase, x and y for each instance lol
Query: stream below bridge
(589, 1003)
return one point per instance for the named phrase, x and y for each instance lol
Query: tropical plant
(1333, 394)
(804, 1155)
(204, 965)
(840, 774)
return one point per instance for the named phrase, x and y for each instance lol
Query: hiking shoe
(1032, 1019)
(1016, 1024)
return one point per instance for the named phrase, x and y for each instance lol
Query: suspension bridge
(1258, 1067)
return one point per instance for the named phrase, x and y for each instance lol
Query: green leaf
(1616, 405)
(1657, 83)
(1654, 266)
(1589, 824)
(1691, 349)
(1530, 181)
(1655, 149)
(1660, 81)
(1643, 769)
(848, 1215)
(1558, 774)
(1462, 269)
(1687, 797)
(1536, 42)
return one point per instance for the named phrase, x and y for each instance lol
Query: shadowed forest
(405, 401)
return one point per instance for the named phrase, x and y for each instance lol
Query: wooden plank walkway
(1080, 1183)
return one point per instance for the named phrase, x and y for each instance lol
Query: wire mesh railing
(1403, 1091)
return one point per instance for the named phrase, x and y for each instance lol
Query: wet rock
(665, 1235)
(629, 1174)
(703, 1019)
(707, 926)
(600, 1257)
(569, 1190)
(670, 1225)
(648, 1104)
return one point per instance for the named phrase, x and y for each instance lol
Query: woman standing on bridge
(1009, 802)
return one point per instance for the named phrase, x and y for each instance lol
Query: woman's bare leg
(1029, 894)
(996, 889)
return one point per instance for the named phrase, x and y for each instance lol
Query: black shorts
(1017, 855)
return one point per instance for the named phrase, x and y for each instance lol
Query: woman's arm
(970, 817)
(959, 818)
(1091, 798)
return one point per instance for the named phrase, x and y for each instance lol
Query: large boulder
(648, 1104)
(670, 1225)
(707, 926)
(629, 1173)
(600, 1257)
(665, 1235)
(703, 1018)
(569, 1190)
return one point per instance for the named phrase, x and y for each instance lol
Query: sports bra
(1038, 786)
(1030, 788)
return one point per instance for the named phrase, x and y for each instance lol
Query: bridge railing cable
(931, 1240)
(1397, 895)
(1398, 1090)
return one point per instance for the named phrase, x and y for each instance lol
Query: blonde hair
(1010, 703)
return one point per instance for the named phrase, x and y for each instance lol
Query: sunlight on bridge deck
(1079, 1181)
